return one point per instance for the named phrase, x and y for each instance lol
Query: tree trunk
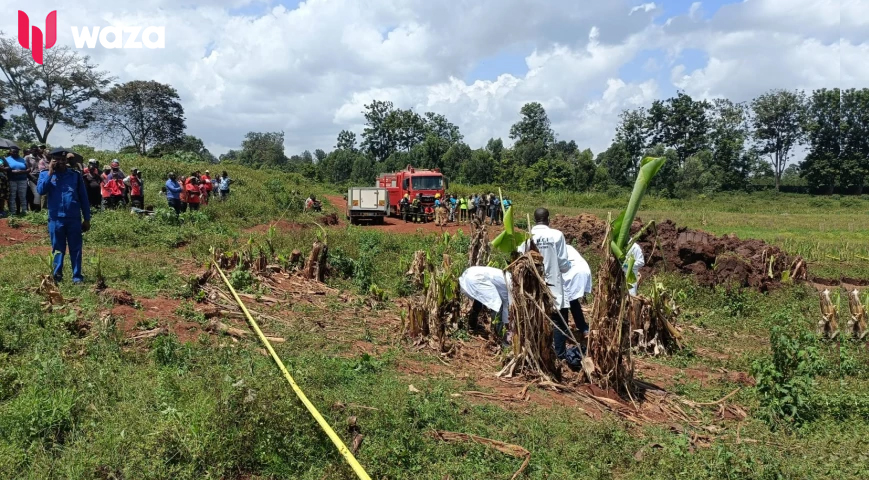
(315, 268)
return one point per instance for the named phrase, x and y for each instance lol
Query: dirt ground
(397, 225)
(11, 236)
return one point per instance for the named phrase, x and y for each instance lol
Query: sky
(308, 68)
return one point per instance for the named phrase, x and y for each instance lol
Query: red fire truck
(412, 181)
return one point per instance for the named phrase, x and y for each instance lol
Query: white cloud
(310, 70)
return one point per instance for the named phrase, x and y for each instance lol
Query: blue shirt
(17, 164)
(437, 203)
(173, 189)
(224, 183)
(67, 196)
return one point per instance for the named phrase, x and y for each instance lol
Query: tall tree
(407, 127)
(534, 129)
(728, 134)
(618, 163)
(822, 167)
(378, 138)
(17, 128)
(263, 149)
(679, 123)
(140, 113)
(51, 94)
(631, 133)
(346, 141)
(778, 126)
(438, 125)
(855, 138)
(319, 155)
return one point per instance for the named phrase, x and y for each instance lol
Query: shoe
(58, 279)
(77, 281)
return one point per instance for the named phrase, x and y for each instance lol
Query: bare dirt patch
(15, 235)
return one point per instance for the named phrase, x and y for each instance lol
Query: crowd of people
(568, 276)
(188, 193)
(455, 209)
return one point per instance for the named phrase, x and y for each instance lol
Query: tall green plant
(621, 242)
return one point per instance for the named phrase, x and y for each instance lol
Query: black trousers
(578, 317)
(175, 204)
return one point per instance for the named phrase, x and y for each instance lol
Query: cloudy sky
(307, 68)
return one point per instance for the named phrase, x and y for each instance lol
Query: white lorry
(367, 204)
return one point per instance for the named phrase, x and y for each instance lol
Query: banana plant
(621, 242)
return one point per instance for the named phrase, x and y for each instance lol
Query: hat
(115, 162)
(92, 161)
(171, 174)
(207, 171)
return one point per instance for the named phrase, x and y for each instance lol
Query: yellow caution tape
(360, 472)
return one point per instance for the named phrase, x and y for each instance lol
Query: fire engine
(412, 181)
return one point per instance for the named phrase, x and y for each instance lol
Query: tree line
(711, 145)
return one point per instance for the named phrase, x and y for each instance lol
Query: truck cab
(411, 182)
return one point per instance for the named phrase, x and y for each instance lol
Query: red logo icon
(31, 37)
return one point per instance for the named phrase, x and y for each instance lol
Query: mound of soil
(585, 230)
(711, 259)
(329, 220)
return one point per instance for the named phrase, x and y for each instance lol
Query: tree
(53, 93)
(617, 162)
(319, 155)
(679, 123)
(631, 133)
(778, 120)
(378, 138)
(407, 127)
(17, 128)
(478, 169)
(438, 125)
(455, 157)
(263, 149)
(346, 141)
(855, 138)
(140, 113)
(534, 129)
(822, 167)
(186, 144)
(363, 171)
(728, 134)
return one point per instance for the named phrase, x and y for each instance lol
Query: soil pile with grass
(711, 259)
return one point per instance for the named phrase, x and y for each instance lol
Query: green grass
(97, 407)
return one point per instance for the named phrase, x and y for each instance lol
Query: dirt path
(397, 225)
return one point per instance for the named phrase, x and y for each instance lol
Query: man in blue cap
(67, 201)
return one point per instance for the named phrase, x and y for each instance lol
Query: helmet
(115, 163)
(406, 195)
(438, 195)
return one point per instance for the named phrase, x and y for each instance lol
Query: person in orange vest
(207, 186)
(193, 192)
(137, 193)
(105, 191)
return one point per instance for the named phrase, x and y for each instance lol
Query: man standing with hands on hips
(67, 201)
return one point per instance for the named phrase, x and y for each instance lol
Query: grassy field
(93, 404)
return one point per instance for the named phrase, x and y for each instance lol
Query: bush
(785, 380)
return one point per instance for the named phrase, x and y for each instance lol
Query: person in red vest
(111, 188)
(193, 193)
(137, 192)
(207, 186)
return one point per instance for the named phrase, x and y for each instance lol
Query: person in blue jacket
(173, 192)
(67, 201)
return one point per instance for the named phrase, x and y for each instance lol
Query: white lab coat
(489, 286)
(639, 261)
(577, 280)
(553, 248)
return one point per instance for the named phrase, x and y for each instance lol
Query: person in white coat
(489, 287)
(552, 246)
(577, 283)
(639, 261)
